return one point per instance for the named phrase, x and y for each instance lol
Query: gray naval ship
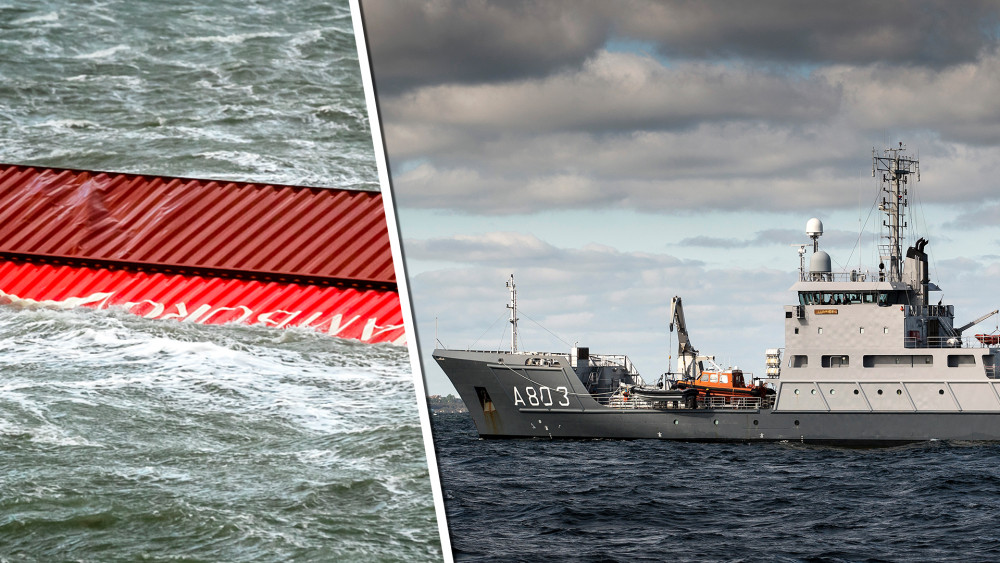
(869, 358)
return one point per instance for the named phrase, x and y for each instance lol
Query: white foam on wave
(234, 39)
(311, 36)
(209, 133)
(297, 378)
(133, 82)
(104, 53)
(44, 18)
(250, 160)
(20, 400)
(66, 124)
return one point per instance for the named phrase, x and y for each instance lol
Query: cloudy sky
(614, 154)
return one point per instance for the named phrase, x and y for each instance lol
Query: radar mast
(893, 169)
(513, 314)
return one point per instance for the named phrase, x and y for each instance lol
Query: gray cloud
(731, 167)
(934, 33)
(630, 131)
(832, 238)
(504, 249)
(473, 41)
(622, 92)
(961, 102)
(619, 92)
(453, 41)
(979, 218)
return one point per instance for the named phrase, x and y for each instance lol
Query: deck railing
(735, 403)
(613, 360)
(618, 401)
(945, 342)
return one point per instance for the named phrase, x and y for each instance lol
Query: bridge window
(849, 298)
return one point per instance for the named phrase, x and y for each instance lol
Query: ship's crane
(687, 356)
(975, 322)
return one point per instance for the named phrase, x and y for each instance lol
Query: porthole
(879, 391)
(833, 391)
(796, 391)
(812, 391)
(755, 422)
(940, 391)
(899, 391)
(796, 423)
(715, 422)
(855, 391)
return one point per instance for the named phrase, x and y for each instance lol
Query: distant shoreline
(447, 404)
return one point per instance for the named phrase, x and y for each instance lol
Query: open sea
(642, 500)
(125, 439)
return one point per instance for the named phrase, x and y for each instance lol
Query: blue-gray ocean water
(643, 500)
(124, 439)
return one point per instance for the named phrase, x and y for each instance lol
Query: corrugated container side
(190, 223)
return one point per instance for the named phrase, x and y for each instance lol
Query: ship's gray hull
(498, 390)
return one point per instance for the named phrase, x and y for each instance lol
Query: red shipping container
(200, 250)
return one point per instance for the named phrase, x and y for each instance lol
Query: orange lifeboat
(989, 339)
(729, 384)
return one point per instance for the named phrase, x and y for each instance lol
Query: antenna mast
(895, 169)
(513, 314)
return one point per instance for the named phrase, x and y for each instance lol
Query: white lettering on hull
(204, 313)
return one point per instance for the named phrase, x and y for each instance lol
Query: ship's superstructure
(868, 357)
(877, 341)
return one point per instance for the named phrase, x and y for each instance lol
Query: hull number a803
(542, 396)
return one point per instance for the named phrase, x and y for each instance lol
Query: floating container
(199, 250)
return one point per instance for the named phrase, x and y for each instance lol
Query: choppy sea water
(127, 439)
(642, 500)
(123, 438)
(232, 89)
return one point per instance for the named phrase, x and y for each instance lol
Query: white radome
(814, 227)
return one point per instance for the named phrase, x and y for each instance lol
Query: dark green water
(263, 91)
(124, 439)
